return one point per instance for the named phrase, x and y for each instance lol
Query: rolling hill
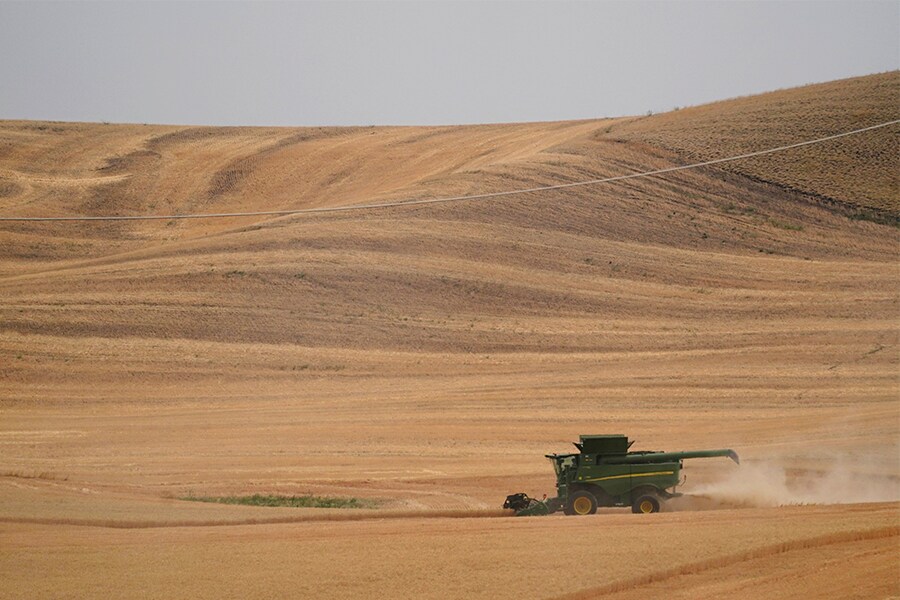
(427, 356)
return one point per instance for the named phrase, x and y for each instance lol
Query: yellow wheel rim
(582, 506)
(646, 506)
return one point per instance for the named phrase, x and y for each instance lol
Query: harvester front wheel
(581, 502)
(647, 503)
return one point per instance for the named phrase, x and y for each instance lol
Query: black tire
(645, 504)
(582, 503)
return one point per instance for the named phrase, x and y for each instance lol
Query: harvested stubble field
(423, 359)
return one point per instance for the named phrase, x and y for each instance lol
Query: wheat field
(425, 358)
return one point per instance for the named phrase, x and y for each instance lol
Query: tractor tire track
(732, 559)
(367, 516)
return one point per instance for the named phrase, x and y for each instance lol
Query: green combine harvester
(605, 473)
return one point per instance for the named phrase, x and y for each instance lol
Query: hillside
(427, 357)
(861, 171)
(470, 276)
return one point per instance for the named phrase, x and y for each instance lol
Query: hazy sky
(363, 63)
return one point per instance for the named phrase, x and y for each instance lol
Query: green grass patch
(882, 218)
(732, 209)
(785, 225)
(289, 501)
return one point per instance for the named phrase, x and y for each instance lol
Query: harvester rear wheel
(581, 502)
(647, 503)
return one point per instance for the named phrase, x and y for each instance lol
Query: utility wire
(420, 201)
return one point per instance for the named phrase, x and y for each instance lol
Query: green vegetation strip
(291, 501)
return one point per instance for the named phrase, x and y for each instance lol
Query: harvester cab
(605, 473)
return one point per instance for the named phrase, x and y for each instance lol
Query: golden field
(427, 357)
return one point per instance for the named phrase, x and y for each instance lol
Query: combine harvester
(605, 473)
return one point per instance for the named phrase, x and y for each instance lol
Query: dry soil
(428, 357)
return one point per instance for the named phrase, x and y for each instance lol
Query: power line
(420, 201)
